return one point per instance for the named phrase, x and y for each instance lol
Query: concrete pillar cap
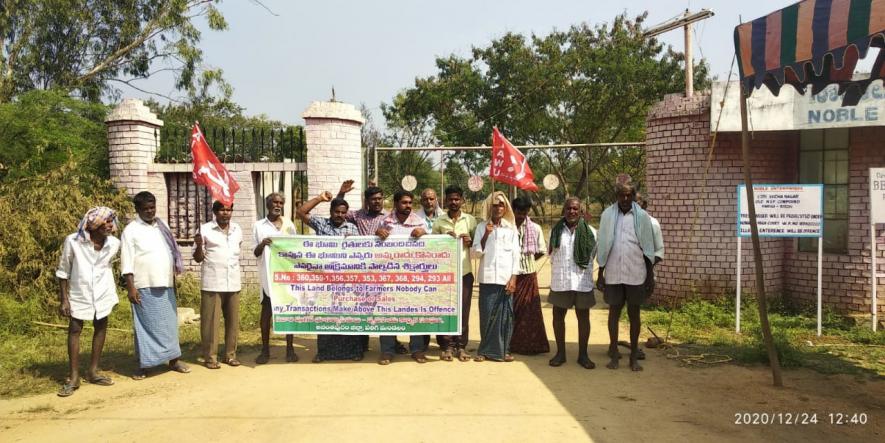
(133, 109)
(333, 110)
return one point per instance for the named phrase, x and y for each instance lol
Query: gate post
(334, 151)
(133, 140)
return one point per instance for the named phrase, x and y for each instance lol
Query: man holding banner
(402, 222)
(332, 347)
(271, 226)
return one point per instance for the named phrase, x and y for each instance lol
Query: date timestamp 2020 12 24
(801, 418)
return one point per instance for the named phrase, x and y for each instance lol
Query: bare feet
(614, 355)
(263, 357)
(291, 356)
(634, 362)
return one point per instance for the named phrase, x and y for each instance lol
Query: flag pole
(757, 252)
(197, 186)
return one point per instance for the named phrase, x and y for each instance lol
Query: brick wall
(701, 256)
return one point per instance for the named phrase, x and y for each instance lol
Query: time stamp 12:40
(801, 418)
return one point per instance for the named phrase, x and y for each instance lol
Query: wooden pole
(757, 252)
(689, 62)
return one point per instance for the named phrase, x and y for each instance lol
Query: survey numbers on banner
(362, 285)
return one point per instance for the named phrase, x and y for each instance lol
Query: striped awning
(813, 42)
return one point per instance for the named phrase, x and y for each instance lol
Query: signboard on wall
(790, 110)
(783, 210)
(877, 195)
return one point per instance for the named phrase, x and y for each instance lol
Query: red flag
(209, 172)
(509, 165)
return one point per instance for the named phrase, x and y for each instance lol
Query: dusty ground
(522, 401)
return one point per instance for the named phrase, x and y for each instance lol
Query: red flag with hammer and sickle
(209, 172)
(509, 165)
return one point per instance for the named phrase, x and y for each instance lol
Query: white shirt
(500, 259)
(261, 230)
(220, 270)
(625, 264)
(565, 274)
(428, 219)
(659, 237)
(91, 289)
(145, 255)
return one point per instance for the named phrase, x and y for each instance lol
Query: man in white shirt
(430, 209)
(150, 258)
(496, 245)
(263, 231)
(217, 247)
(572, 245)
(626, 255)
(86, 290)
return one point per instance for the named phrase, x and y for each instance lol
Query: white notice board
(877, 195)
(783, 210)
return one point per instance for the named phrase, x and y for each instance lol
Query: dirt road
(522, 401)
(526, 400)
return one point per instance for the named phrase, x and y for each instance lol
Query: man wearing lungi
(150, 259)
(496, 245)
(529, 333)
(86, 290)
(274, 224)
(329, 346)
(626, 256)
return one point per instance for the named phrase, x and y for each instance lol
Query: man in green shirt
(459, 225)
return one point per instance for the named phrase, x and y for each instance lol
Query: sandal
(462, 355)
(212, 365)
(401, 348)
(419, 357)
(446, 355)
(180, 367)
(233, 362)
(557, 360)
(100, 380)
(385, 359)
(141, 374)
(479, 358)
(508, 358)
(262, 358)
(586, 363)
(68, 389)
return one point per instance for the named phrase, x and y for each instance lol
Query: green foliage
(705, 326)
(86, 45)
(36, 214)
(42, 130)
(584, 85)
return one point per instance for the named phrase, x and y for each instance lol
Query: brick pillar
(133, 140)
(334, 151)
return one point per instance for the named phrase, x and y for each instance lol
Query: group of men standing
(508, 246)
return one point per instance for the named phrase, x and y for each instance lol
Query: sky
(371, 50)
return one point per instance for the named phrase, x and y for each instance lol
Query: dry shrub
(36, 213)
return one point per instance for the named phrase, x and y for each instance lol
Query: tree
(88, 45)
(42, 130)
(584, 85)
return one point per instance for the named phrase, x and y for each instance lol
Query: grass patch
(37, 362)
(707, 327)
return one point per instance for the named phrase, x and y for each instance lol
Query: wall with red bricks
(698, 213)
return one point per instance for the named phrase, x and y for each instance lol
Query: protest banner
(362, 285)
